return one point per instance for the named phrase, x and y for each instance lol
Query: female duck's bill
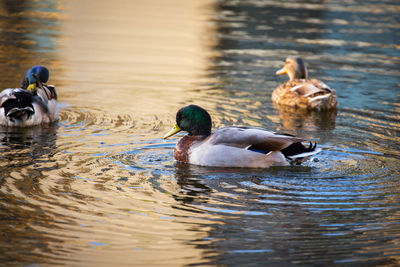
(302, 92)
(33, 104)
(234, 146)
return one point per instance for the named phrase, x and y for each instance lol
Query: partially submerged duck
(33, 104)
(302, 92)
(234, 146)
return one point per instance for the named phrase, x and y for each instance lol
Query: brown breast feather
(181, 152)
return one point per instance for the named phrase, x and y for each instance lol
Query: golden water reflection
(138, 61)
(136, 57)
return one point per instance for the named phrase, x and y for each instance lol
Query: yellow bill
(173, 131)
(32, 87)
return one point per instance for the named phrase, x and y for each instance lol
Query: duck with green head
(302, 92)
(33, 104)
(233, 146)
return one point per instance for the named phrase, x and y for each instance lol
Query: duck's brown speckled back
(305, 94)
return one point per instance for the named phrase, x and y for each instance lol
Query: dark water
(101, 187)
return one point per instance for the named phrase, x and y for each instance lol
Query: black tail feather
(19, 106)
(20, 113)
(298, 148)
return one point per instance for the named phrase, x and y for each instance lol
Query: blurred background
(101, 187)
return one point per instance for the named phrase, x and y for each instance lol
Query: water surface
(101, 187)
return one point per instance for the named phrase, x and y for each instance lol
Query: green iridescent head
(192, 119)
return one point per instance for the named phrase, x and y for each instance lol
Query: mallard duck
(233, 146)
(302, 92)
(33, 104)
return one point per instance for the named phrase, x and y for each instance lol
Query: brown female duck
(302, 92)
